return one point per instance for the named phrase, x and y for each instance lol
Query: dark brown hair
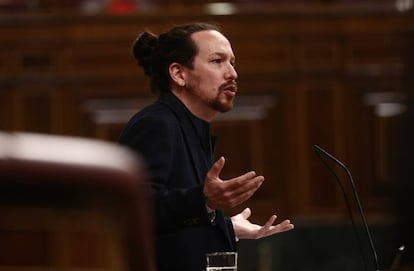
(156, 53)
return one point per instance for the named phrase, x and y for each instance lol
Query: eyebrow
(224, 55)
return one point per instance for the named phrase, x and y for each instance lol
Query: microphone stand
(318, 151)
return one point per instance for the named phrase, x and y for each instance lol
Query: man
(192, 68)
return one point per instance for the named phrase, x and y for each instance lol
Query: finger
(233, 193)
(282, 227)
(238, 186)
(237, 199)
(267, 228)
(215, 170)
(286, 225)
(245, 191)
(246, 176)
(246, 213)
(240, 180)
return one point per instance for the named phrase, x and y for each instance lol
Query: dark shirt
(207, 141)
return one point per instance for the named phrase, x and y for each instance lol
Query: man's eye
(218, 60)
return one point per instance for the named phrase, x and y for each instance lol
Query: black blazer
(165, 135)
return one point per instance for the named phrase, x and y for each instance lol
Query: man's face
(211, 82)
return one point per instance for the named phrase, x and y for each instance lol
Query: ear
(177, 74)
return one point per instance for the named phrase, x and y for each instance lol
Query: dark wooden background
(308, 74)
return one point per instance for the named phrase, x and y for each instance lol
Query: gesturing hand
(221, 194)
(244, 229)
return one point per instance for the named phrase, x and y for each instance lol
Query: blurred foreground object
(70, 203)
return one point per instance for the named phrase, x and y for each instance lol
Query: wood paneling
(44, 239)
(317, 65)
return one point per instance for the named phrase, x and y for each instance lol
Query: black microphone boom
(355, 193)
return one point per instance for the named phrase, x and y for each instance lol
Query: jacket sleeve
(155, 139)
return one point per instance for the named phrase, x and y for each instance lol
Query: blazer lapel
(192, 140)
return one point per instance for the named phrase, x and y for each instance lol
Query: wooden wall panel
(41, 238)
(5, 110)
(74, 75)
(319, 118)
(371, 153)
(318, 53)
(374, 54)
(29, 248)
(112, 55)
(32, 112)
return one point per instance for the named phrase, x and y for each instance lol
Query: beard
(221, 104)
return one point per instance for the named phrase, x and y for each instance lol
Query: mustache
(232, 84)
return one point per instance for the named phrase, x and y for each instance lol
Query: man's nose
(231, 73)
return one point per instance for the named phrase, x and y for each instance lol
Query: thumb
(246, 213)
(216, 168)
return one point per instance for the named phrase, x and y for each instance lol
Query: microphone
(318, 150)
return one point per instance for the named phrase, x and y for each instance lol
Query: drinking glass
(221, 261)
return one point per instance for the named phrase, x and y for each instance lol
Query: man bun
(143, 49)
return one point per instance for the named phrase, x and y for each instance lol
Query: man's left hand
(244, 229)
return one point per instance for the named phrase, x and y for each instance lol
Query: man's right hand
(223, 194)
